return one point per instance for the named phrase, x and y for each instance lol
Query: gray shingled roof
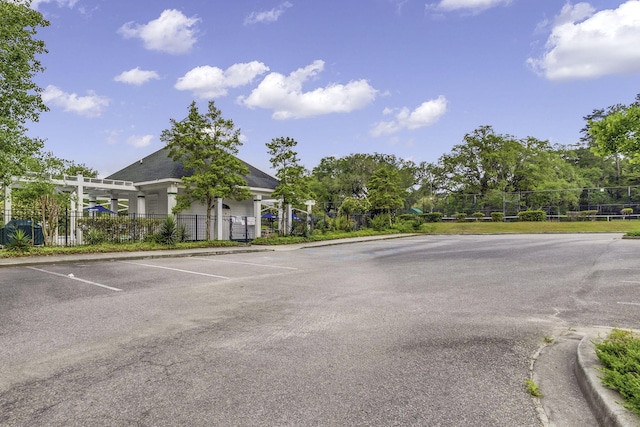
(159, 165)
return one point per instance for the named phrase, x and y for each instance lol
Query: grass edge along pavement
(619, 355)
(631, 228)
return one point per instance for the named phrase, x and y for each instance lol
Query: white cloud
(285, 96)
(428, 113)
(172, 32)
(136, 76)
(585, 44)
(471, 5)
(268, 16)
(61, 3)
(91, 105)
(140, 141)
(212, 82)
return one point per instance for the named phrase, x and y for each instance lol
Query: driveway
(426, 330)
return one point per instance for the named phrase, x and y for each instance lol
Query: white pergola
(81, 187)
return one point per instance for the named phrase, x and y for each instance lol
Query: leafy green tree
(588, 140)
(488, 164)
(336, 179)
(38, 197)
(207, 145)
(385, 191)
(293, 188)
(618, 132)
(20, 97)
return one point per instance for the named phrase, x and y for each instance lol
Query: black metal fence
(607, 201)
(70, 228)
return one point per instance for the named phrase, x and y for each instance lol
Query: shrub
(460, 217)
(532, 215)
(587, 215)
(432, 217)
(343, 223)
(412, 221)
(19, 241)
(168, 233)
(620, 357)
(182, 233)
(380, 222)
(497, 216)
(626, 211)
(95, 237)
(478, 215)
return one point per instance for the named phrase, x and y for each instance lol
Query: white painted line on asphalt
(175, 269)
(244, 263)
(629, 281)
(89, 282)
(629, 303)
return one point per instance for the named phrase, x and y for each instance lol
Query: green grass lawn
(619, 354)
(472, 227)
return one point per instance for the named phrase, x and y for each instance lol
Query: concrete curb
(117, 256)
(602, 400)
(173, 253)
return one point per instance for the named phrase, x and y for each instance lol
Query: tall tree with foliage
(38, 197)
(618, 132)
(385, 191)
(489, 164)
(20, 99)
(293, 188)
(207, 145)
(336, 179)
(587, 137)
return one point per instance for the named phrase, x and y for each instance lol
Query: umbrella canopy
(269, 215)
(98, 208)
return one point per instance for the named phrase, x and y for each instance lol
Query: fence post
(135, 228)
(197, 228)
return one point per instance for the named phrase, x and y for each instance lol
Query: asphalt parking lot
(426, 330)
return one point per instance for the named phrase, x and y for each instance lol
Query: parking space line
(629, 281)
(244, 263)
(629, 303)
(175, 269)
(89, 282)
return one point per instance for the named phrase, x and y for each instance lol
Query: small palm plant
(168, 234)
(19, 241)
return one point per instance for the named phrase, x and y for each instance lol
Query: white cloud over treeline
(284, 95)
(426, 114)
(586, 44)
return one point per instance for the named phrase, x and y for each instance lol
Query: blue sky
(402, 77)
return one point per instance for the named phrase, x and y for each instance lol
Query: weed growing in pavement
(532, 388)
(548, 340)
(619, 354)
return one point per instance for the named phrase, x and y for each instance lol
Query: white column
(289, 216)
(113, 206)
(140, 205)
(172, 192)
(310, 204)
(79, 206)
(219, 221)
(7, 203)
(281, 218)
(257, 213)
(74, 215)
